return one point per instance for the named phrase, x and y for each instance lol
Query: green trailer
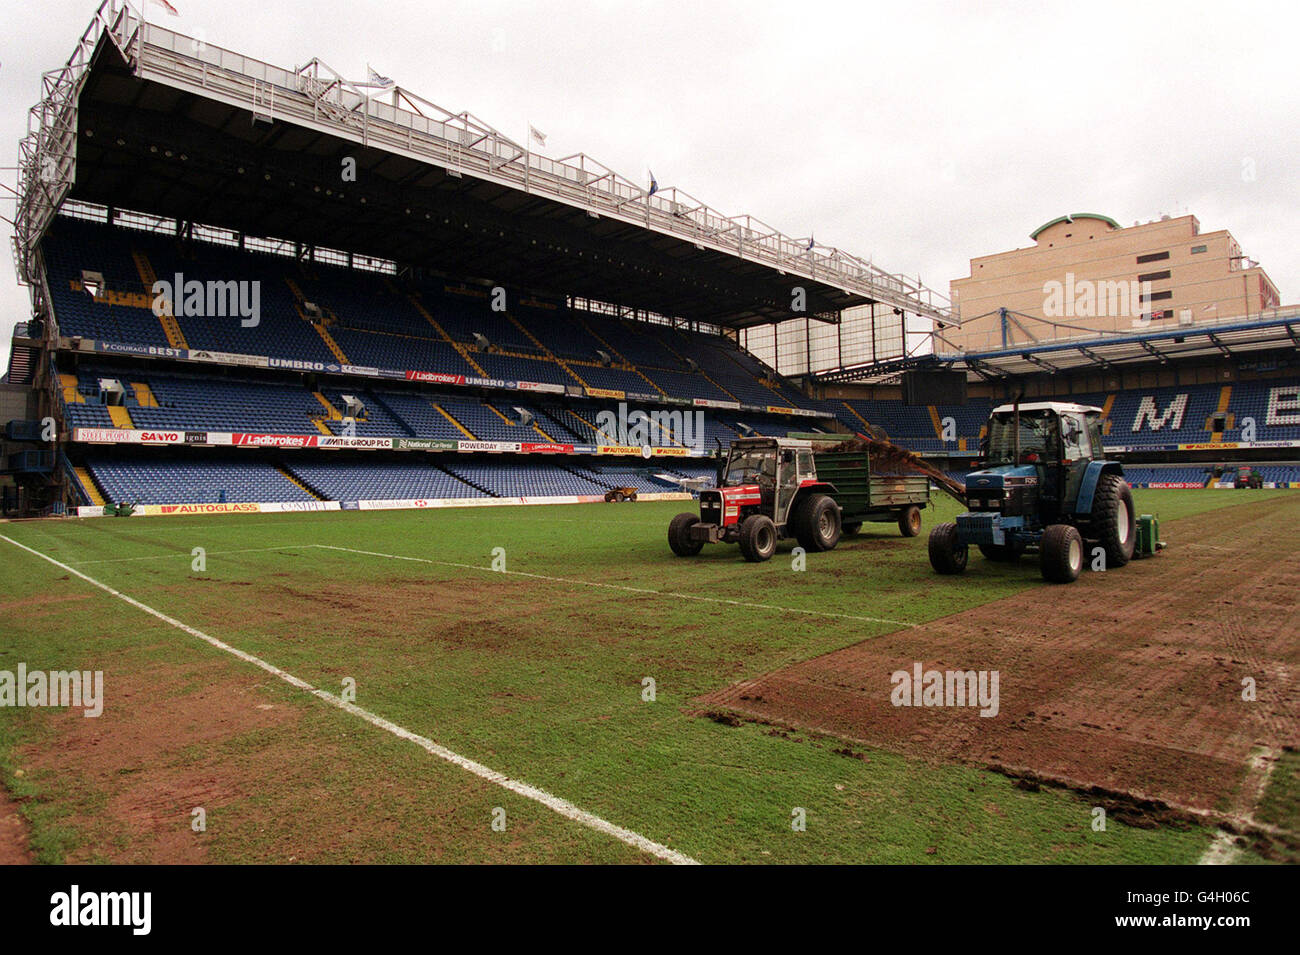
(771, 489)
(867, 497)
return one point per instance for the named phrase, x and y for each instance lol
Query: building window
(1154, 276)
(1159, 296)
(1197, 249)
(1152, 257)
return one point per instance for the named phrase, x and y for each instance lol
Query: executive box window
(1154, 276)
(1152, 257)
(1159, 296)
(1197, 249)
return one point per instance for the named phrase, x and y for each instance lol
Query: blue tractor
(1046, 486)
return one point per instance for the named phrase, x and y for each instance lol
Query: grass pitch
(537, 672)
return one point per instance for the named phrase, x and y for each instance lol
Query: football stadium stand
(329, 314)
(313, 317)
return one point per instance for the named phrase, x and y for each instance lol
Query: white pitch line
(1222, 849)
(624, 587)
(561, 806)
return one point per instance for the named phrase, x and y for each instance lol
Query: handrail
(401, 121)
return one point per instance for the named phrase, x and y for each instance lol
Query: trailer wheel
(1061, 557)
(757, 538)
(679, 535)
(816, 522)
(850, 529)
(909, 522)
(1113, 520)
(948, 555)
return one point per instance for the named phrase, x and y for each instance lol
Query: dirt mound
(888, 458)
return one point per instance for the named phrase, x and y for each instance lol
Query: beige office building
(1086, 274)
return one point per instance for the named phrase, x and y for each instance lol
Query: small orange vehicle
(618, 495)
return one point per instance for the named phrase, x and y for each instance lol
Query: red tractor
(768, 491)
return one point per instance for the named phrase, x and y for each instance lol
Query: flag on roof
(654, 183)
(537, 135)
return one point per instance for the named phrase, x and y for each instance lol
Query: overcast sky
(916, 134)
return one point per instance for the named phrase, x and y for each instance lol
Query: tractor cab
(1046, 486)
(774, 467)
(1042, 451)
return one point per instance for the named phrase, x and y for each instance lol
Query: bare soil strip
(1130, 680)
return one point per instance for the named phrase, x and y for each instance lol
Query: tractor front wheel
(679, 535)
(758, 538)
(816, 522)
(909, 522)
(948, 555)
(1061, 557)
(1113, 520)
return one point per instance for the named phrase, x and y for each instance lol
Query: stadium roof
(146, 119)
(1277, 330)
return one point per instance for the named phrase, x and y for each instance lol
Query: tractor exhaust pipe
(1016, 409)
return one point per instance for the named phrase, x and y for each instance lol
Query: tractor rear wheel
(948, 555)
(816, 522)
(679, 535)
(1061, 557)
(632, 496)
(758, 538)
(909, 522)
(1113, 520)
(1004, 553)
